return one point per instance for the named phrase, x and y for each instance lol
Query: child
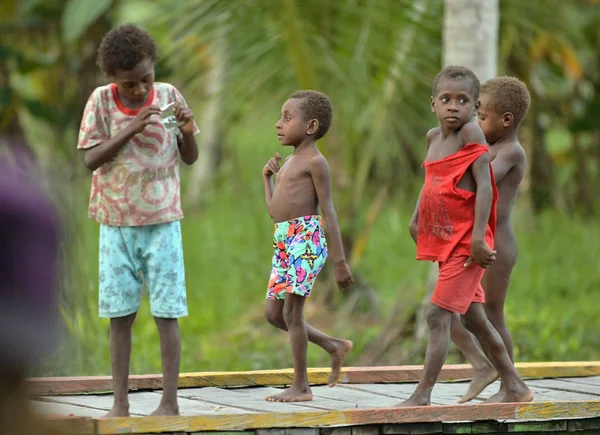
(454, 224)
(303, 186)
(135, 198)
(504, 103)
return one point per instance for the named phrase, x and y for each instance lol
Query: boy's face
(491, 122)
(135, 85)
(454, 104)
(291, 126)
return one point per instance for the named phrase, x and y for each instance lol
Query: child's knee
(274, 316)
(438, 317)
(166, 324)
(292, 315)
(124, 322)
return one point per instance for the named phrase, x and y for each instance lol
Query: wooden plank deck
(567, 400)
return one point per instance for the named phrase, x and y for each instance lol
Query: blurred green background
(236, 61)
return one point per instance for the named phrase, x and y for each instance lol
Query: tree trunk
(543, 193)
(204, 170)
(471, 40)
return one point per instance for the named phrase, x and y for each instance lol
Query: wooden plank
(590, 380)
(316, 376)
(143, 403)
(71, 425)
(48, 408)
(560, 385)
(355, 398)
(527, 411)
(242, 400)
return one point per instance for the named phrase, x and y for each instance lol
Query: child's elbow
(189, 160)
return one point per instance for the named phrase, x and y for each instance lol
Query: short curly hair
(507, 94)
(124, 47)
(315, 105)
(453, 72)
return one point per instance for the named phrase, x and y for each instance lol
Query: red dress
(446, 218)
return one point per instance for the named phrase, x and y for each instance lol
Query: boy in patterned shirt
(135, 197)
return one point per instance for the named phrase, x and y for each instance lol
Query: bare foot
(166, 410)
(496, 398)
(337, 360)
(481, 379)
(117, 411)
(416, 400)
(292, 394)
(519, 394)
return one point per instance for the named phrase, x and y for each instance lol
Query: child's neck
(306, 144)
(509, 136)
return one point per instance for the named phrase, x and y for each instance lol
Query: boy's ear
(313, 126)
(432, 104)
(508, 119)
(477, 106)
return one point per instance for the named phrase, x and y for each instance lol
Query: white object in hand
(168, 118)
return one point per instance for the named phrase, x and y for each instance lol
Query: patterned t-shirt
(140, 186)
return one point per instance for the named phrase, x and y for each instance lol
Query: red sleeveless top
(446, 212)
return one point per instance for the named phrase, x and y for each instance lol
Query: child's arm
(319, 171)
(506, 159)
(481, 253)
(99, 154)
(272, 167)
(413, 226)
(188, 148)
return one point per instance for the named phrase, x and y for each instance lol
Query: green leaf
(79, 14)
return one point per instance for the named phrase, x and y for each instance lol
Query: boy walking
(504, 102)
(454, 224)
(303, 187)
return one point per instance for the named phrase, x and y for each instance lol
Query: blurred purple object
(29, 238)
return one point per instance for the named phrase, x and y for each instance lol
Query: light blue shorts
(131, 255)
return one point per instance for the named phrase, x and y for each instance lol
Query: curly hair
(507, 94)
(124, 47)
(454, 73)
(315, 105)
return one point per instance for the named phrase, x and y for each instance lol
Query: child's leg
(170, 352)
(120, 353)
(477, 322)
(165, 280)
(336, 347)
(483, 372)
(293, 315)
(119, 299)
(438, 321)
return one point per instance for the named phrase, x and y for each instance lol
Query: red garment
(446, 212)
(458, 286)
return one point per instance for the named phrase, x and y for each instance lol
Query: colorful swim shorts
(131, 255)
(458, 286)
(300, 254)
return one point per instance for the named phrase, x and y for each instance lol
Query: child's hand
(343, 274)
(185, 114)
(272, 166)
(481, 254)
(144, 118)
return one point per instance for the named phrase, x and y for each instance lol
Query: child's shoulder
(472, 133)
(102, 92)
(433, 134)
(513, 151)
(166, 93)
